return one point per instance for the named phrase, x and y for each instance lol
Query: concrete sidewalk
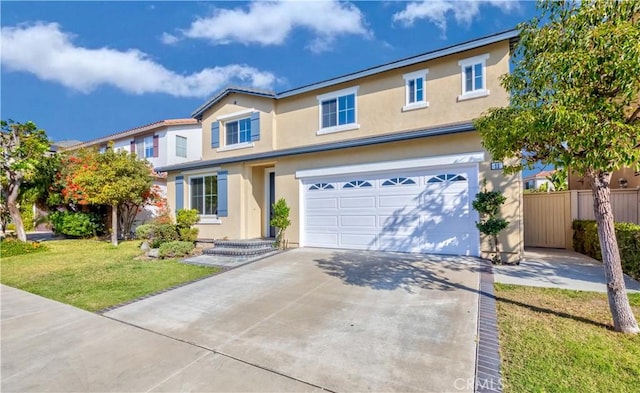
(50, 346)
(553, 268)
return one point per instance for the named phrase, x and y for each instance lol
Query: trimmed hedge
(585, 241)
(76, 224)
(175, 249)
(157, 234)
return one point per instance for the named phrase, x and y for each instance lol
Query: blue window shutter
(222, 194)
(179, 192)
(255, 126)
(215, 134)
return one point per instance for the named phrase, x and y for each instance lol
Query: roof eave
(386, 138)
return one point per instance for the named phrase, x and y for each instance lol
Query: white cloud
(270, 23)
(438, 11)
(169, 39)
(49, 53)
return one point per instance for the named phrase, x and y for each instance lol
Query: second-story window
(181, 146)
(148, 147)
(144, 147)
(415, 90)
(238, 131)
(474, 77)
(338, 111)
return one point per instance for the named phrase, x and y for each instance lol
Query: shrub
(28, 219)
(586, 241)
(175, 249)
(186, 218)
(76, 224)
(10, 247)
(144, 231)
(280, 220)
(157, 234)
(189, 234)
(488, 204)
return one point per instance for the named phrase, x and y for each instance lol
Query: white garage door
(425, 211)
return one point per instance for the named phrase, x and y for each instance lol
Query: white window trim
(235, 115)
(224, 119)
(186, 146)
(204, 219)
(334, 129)
(409, 106)
(335, 94)
(480, 59)
(235, 146)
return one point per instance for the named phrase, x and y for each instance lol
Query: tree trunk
(623, 319)
(114, 225)
(11, 195)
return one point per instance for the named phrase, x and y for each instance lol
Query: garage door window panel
(398, 181)
(321, 186)
(357, 184)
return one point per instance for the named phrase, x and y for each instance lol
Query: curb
(488, 375)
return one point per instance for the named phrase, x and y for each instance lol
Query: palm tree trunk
(623, 319)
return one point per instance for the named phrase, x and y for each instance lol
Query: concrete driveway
(303, 320)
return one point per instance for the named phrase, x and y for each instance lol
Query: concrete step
(245, 244)
(233, 251)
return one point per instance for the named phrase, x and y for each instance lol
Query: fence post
(572, 211)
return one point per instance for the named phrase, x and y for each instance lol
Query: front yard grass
(555, 340)
(94, 275)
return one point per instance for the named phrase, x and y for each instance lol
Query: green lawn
(94, 275)
(562, 341)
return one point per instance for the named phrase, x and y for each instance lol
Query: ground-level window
(181, 146)
(204, 194)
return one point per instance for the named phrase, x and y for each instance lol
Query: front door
(270, 199)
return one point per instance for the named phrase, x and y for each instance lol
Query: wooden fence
(548, 216)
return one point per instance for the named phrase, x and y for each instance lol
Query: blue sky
(81, 70)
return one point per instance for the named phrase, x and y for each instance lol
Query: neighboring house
(536, 181)
(382, 159)
(622, 178)
(166, 142)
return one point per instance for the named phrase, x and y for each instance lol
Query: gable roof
(133, 132)
(540, 175)
(510, 35)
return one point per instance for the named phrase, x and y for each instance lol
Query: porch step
(248, 247)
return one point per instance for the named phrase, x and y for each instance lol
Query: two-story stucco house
(165, 142)
(381, 159)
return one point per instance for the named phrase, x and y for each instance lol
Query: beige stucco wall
(380, 99)
(581, 183)
(246, 186)
(379, 103)
(237, 103)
